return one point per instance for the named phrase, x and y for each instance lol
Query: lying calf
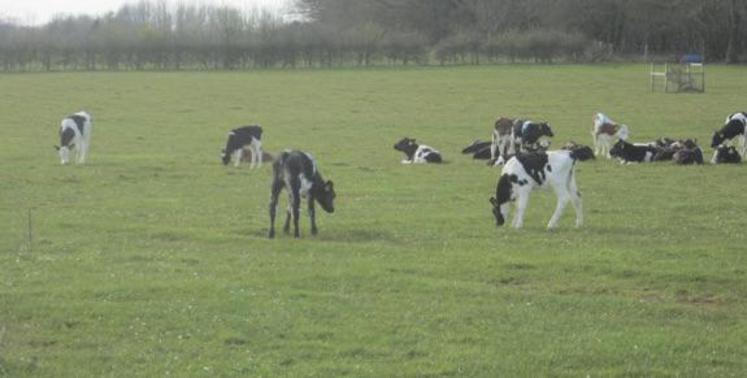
(417, 153)
(633, 153)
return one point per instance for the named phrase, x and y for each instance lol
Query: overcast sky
(35, 12)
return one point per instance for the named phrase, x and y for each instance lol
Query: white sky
(35, 12)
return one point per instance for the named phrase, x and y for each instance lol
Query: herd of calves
(520, 146)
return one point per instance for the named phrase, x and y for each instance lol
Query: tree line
(153, 35)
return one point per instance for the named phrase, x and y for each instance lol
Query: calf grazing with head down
(604, 132)
(297, 172)
(417, 153)
(527, 171)
(735, 128)
(75, 137)
(238, 139)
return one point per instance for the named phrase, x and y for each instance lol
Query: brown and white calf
(501, 146)
(604, 133)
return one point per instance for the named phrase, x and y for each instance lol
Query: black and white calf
(247, 136)
(75, 136)
(479, 149)
(633, 153)
(417, 153)
(526, 135)
(526, 171)
(296, 171)
(726, 155)
(735, 127)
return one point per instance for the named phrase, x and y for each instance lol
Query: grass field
(152, 259)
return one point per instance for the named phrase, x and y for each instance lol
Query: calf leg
(521, 206)
(286, 227)
(312, 216)
(237, 155)
(563, 198)
(82, 152)
(258, 151)
(577, 202)
(277, 185)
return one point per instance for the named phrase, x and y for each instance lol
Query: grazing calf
(297, 172)
(726, 155)
(241, 137)
(526, 135)
(501, 141)
(416, 153)
(479, 149)
(735, 127)
(633, 153)
(604, 132)
(75, 136)
(526, 171)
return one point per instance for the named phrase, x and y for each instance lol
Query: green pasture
(152, 259)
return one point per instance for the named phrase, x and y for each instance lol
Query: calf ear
(330, 184)
(494, 201)
(57, 148)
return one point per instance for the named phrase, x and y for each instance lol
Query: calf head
(546, 130)
(717, 139)
(66, 144)
(618, 148)
(503, 194)
(407, 145)
(324, 194)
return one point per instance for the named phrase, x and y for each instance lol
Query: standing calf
(604, 132)
(75, 136)
(241, 137)
(297, 172)
(526, 171)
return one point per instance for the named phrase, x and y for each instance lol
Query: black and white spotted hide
(75, 137)
(726, 155)
(527, 171)
(417, 153)
(297, 172)
(633, 153)
(526, 135)
(480, 150)
(240, 138)
(734, 131)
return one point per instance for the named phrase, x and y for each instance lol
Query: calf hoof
(271, 234)
(314, 231)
